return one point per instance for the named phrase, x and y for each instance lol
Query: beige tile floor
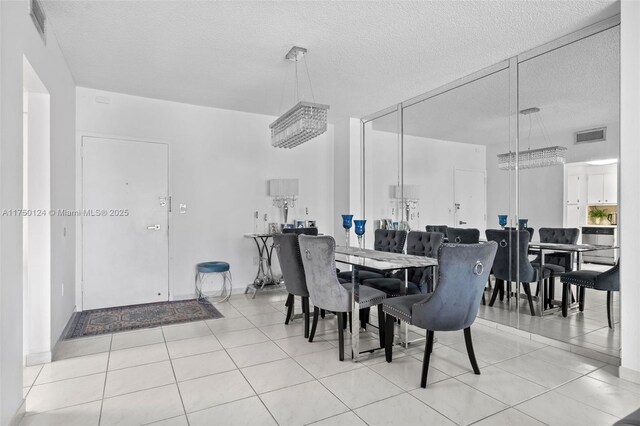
(250, 369)
(588, 329)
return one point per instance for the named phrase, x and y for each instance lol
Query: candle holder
(523, 223)
(347, 222)
(502, 220)
(359, 229)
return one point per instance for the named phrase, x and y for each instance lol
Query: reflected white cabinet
(573, 189)
(610, 188)
(602, 189)
(574, 215)
(595, 189)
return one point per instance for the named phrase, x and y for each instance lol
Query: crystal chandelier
(305, 120)
(533, 158)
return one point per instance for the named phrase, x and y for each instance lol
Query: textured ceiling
(363, 56)
(576, 87)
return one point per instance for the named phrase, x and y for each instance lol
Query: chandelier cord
(297, 84)
(547, 139)
(309, 78)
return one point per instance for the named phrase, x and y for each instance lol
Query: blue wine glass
(347, 222)
(502, 220)
(523, 223)
(359, 229)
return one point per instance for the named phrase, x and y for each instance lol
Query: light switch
(183, 208)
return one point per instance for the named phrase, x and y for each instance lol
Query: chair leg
(289, 303)
(498, 288)
(390, 323)
(344, 318)
(470, 352)
(381, 325)
(484, 300)
(322, 313)
(551, 294)
(427, 357)
(315, 323)
(350, 323)
(566, 290)
(341, 336)
(527, 291)
(305, 311)
(610, 309)
(364, 317)
(581, 292)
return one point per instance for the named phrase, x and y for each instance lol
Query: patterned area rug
(111, 320)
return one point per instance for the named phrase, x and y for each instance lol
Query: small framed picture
(301, 223)
(311, 224)
(288, 225)
(274, 228)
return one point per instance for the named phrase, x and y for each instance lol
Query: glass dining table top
(380, 260)
(569, 247)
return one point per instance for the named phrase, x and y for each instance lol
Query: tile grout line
(106, 373)
(175, 378)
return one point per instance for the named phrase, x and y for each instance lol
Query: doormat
(111, 320)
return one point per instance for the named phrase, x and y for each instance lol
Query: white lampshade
(411, 192)
(283, 187)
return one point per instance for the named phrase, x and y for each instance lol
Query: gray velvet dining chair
(325, 290)
(463, 235)
(608, 281)
(463, 271)
(556, 263)
(288, 252)
(437, 228)
(420, 280)
(509, 258)
(387, 240)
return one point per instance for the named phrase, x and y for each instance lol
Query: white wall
(541, 184)
(18, 37)
(630, 190)
(428, 163)
(38, 243)
(220, 163)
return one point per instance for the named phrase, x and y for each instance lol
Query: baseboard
(38, 358)
(629, 375)
(17, 417)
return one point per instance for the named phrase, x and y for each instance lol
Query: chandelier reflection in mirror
(533, 158)
(305, 120)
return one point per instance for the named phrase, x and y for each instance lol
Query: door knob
(461, 222)
(155, 227)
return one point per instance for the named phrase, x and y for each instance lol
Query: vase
(597, 220)
(347, 221)
(359, 230)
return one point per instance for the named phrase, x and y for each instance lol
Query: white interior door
(470, 198)
(125, 239)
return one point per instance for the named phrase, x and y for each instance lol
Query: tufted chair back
(530, 230)
(319, 262)
(560, 236)
(288, 250)
(463, 235)
(422, 244)
(438, 228)
(463, 273)
(389, 240)
(510, 256)
(298, 231)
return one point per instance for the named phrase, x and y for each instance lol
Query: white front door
(125, 239)
(470, 199)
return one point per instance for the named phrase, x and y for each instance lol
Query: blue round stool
(214, 268)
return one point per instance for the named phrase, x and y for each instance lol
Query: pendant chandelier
(533, 158)
(305, 120)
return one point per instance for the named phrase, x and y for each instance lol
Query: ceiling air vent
(593, 135)
(39, 19)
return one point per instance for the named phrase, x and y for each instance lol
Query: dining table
(383, 262)
(548, 248)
